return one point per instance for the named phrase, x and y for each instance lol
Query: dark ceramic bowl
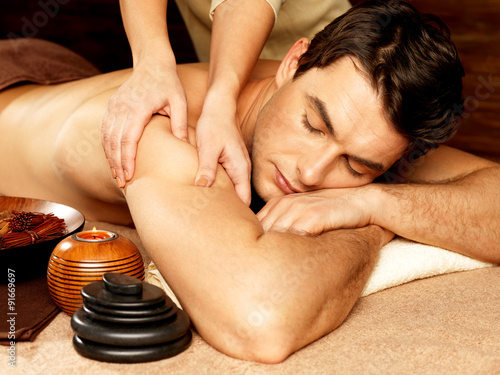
(31, 261)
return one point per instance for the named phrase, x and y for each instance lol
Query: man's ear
(290, 62)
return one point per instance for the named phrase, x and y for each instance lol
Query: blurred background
(93, 28)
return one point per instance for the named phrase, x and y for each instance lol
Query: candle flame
(94, 230)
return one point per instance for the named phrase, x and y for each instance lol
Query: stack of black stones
(126, 321)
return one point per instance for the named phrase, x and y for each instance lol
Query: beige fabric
(439, 325)
(275, 5)
(296, 19)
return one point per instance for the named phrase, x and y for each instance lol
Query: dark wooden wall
(475, 29)
(93, 28)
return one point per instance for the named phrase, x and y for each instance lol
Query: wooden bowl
(31, 261)
(77, 261)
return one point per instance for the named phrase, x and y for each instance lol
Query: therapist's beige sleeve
(275, 4)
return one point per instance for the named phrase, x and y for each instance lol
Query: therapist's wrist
(156, 51)
(222, 94)
(226, 82)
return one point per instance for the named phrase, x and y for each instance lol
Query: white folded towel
(400, 261)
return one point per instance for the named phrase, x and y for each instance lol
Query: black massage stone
(98, 294)
(122, 284)
(117, 354)
(129, 319)
(124, 320)
(153, 310)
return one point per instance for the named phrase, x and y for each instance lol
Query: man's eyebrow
(377, 167)
(321, 108)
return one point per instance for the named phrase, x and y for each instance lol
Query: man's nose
(313, 168)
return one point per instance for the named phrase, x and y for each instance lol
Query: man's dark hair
(409, 59)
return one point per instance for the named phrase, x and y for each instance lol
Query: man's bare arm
(450, 200)
(251, 295)
(447, 199)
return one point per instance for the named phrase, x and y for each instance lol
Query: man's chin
(266, 193)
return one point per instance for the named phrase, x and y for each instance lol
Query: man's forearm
(317, 280)
(462, 215)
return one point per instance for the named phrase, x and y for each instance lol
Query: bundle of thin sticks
(23, 228)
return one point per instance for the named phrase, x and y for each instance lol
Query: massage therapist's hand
(153, 87)
(319, 211)
(219, 140)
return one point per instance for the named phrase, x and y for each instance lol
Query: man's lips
(283, 184)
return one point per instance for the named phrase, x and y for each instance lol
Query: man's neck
(253, 97)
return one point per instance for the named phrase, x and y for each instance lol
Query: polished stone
(128, 318)
(121, 321)
(96, 293)
(122, 284)
(131, 354)
(130, 334)
(150, 310)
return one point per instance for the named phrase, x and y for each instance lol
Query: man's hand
(219, 140)
(319, 211)
(153, 87)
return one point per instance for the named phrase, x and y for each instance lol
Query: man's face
(324, 130)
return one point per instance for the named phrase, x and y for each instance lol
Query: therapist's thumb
(207, 166)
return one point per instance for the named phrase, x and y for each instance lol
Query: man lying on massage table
(378, 84)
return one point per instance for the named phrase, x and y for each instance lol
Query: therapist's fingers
(238, 169)
(177, 110)
(236, 163)
(207, 166)
(121, 130)
(110, 140)
(133, 128)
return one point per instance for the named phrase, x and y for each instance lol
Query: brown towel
(32, 310)
(40, 61)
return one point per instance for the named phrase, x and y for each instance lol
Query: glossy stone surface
(129, 334)
(119, 284)
(97, 293)
(117, 354)
(128, 319)
(125, 320)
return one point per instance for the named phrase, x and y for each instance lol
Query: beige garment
(295, 19)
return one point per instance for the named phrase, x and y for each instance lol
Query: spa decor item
(83, 258)
(127, 321)
(21, 228)
(30, 260)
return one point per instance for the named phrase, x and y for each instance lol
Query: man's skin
(251, 294)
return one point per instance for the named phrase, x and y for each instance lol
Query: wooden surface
(93, 28)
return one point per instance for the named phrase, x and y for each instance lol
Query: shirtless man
(262, 292)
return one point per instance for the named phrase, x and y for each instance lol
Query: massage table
(443, 324)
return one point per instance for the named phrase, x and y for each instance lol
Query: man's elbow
(250, 334)
(269, 330)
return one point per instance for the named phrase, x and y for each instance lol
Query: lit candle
(95, 235)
